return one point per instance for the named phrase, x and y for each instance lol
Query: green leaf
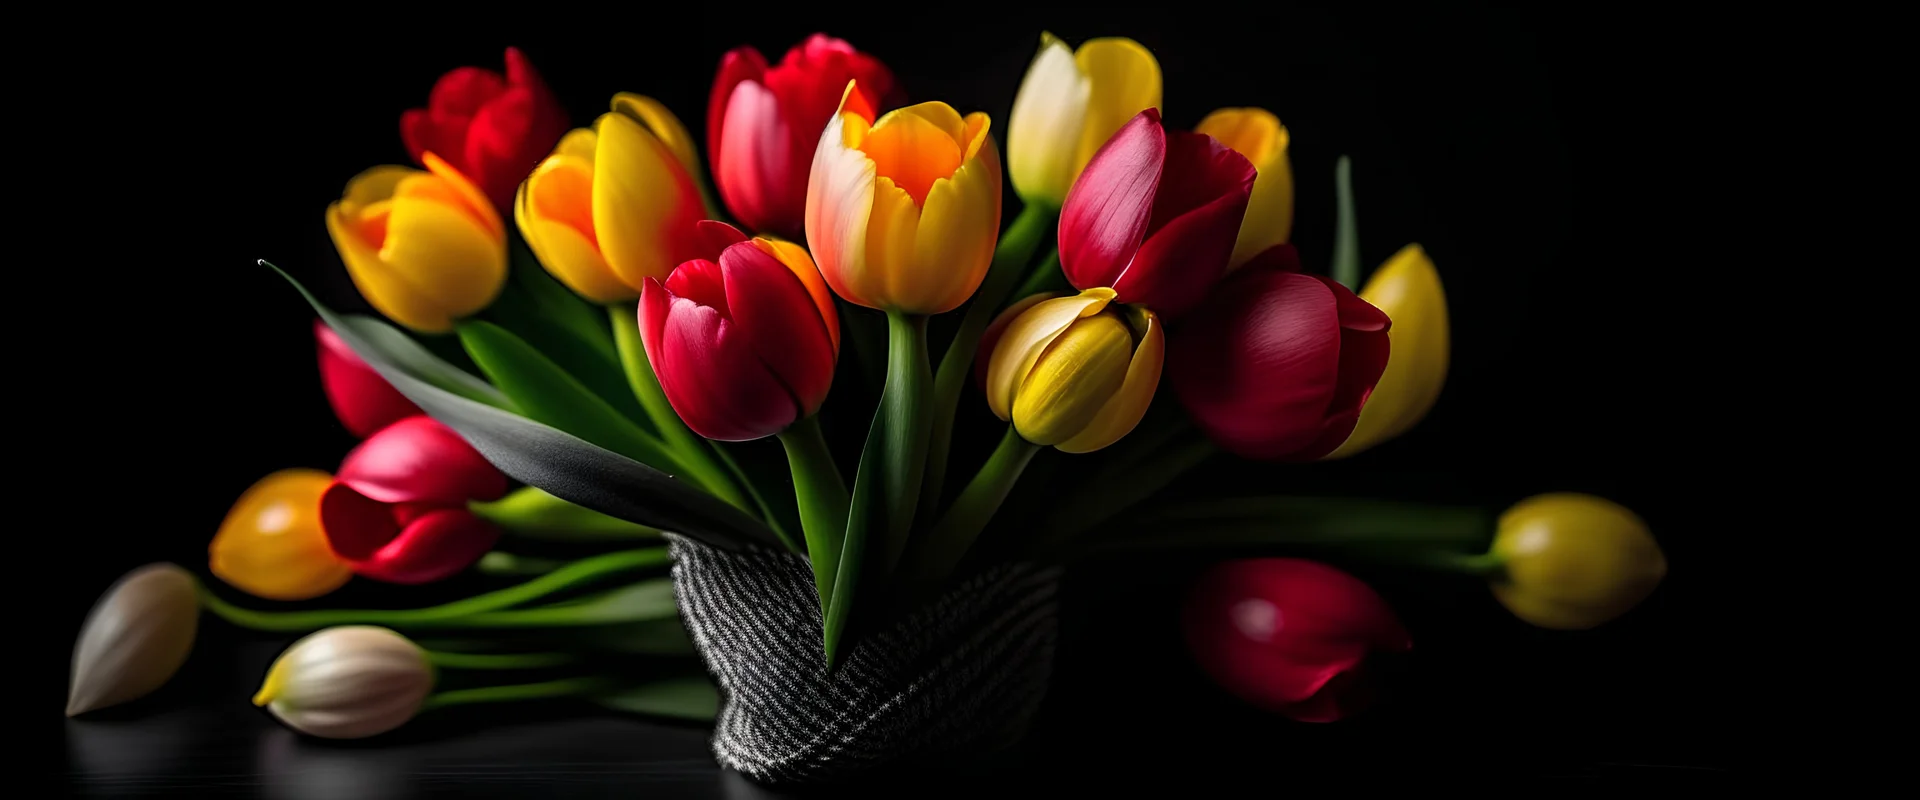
(546, 393)
(538, 455)
(576, 314)
(596, 369)
(502, 564)
(1346, 237)
(864, 511)
(660, 637)
(681, 698)
(534, 513)
(641, 602)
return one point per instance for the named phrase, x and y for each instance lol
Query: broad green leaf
(538, 455)
(534, 513)
(554, 327)
(546, 393)
(682, 698)
(865, 510)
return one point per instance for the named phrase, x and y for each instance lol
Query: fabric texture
(944, 686)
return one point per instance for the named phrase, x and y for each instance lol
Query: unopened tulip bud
(134, 639)
(271, 544)
(1573, 561)
(1076, 373)
(424, 248)
(1069, 104)
(348, 682)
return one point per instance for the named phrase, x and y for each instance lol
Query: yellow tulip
(1076, 373)
(615, 204)
(1257, 134)
(1069, 104)
(903, 213)
(1573, 561)
(424, 248)
(271, 544)
(1408, 289)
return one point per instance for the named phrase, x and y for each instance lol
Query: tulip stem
(906, 428)
(1010, 259)
(939, 552)
(694, 453)
(1099, 500)
(1045, 278)
(479, 661)
(1346, 236)
(446, 615)
(501, 564)
(822, 497)
(1357, 524)
(565, 687)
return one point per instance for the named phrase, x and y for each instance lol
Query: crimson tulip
(763, 124)
(1155, 215)
(1276, 365)
(744, 341)
(363, 400)
(397, 508)
(1291, 636)
(493, 128)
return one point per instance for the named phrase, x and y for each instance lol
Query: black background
(1499, 141)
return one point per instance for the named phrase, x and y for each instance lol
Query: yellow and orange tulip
(615, 204)
(1076, 373)
(1257, 134)
(271, 544)
(903, 213)
(1573, 561)
(1408, 289)
(1069, 104)
(424, 248)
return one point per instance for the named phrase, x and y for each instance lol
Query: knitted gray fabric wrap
(950, 682)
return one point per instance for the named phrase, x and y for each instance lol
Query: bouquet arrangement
(586, 342)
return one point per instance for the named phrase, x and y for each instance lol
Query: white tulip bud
(134, 639)
(348, 682)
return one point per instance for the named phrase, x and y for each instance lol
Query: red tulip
(397, 509)
(763, 124)
(1155, 215)
(1275, 365)
(1290, 636)
(492, 128)
(363, 400)
(744, 342)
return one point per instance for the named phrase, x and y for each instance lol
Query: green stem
(565, 687)
(938, 554)
(449, 615)
(1010, 260)
(694, 454)
(1315, 521)
(905, 413)
(536, 514)
(1045, 278)
(742, 479)
(1096, 502)
(501, 564)
(1346, 237)
(477, 661)
(822, 497)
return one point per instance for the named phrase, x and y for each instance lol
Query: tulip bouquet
(580, 312)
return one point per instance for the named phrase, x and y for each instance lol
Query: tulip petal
(990, 338)
(714, 379)
(356, 526)
(1083, 368)
(796, 259)
(737, 65)
(772, 308)
(644, 203)
(554, 210)
(754, 165)
(1196, 214)
(1043, 131)
(713, 237)
(579, 143)
(916, 146)
(440, 252)
(1027, 337)
(1257, 134)
(463, 189)
(134, 639)
(665, 127)
(839, 205)
(955, 239)
(1125, 408)
(891, 229)
(464, 90)
(1364, 350)
(419, 460)
(271, 545)
(502, 140)
(1257, 365)
(1125, 79)
(1107, 211)
(363, 400)
(1408, 289)
(435, 546)
(385, 288)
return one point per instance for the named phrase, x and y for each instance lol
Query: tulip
(1154, 216)
(616, 203)
(1276, 365)
(347, 682)
(424, 248)
(397, 510)
(271, 544)
(902, 213)
(135, 638)
(1068, 105)
(492, 128)
(363, 400)
(1408, 290)
(1257, 134)
(764, 123)
(1076, 373)
(744, 341)
(990, 337)
(1291, 636)
(1572, 561)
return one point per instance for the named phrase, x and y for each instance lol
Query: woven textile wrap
(948, 684)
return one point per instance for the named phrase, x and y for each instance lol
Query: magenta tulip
(397, 509)
(363, 400)
(1155, 216)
